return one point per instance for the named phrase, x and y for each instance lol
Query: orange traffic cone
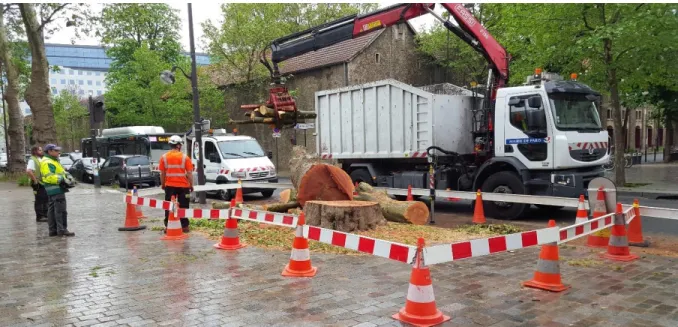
(409, 193)
(618, 249)
(238, 194)
(582, 215)
(636, 228)
(174, 230)
(547, 275)
(139, 214)
(131, 220)
(420, 307)
(478, 212)
(231, 238)
(300, 260)
(599, 239)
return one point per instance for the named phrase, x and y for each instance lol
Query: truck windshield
(240, 149)
(574, 112)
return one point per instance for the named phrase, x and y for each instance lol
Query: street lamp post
(168, 77)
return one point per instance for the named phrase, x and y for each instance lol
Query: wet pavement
(104, 277)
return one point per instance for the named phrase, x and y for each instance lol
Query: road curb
(647, 194)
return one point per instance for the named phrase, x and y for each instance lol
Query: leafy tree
(139, 97)
(126, 27)
(71, 119)
(248, 28)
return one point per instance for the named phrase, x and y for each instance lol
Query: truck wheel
(224, 195)
(361, 175)
(267, 194)
(504, 182)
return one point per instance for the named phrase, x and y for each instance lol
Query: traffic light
(97, 110)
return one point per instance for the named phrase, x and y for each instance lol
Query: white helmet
(175, 139)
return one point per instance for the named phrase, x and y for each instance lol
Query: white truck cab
(229, 158)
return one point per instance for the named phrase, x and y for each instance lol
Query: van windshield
(240, 149)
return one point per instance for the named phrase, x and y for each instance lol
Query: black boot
(66, 233)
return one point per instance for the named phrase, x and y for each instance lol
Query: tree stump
(314, 180)
(413, 212)
(345, 216)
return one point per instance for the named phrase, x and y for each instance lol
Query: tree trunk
(669, 138)
(345, 216)
(413, 212)
(314, 180)
(15, 129)
(288, 195)
(619, 139)
(38, 95)
(282, 207)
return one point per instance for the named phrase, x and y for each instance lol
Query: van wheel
(267, 194)
(549, 208)
(504, 182)
(224, 195)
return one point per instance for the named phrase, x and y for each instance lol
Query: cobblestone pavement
(103, 277)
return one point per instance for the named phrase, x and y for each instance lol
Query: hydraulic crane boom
(469, 30)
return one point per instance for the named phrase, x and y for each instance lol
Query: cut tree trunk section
(314, 180)
(345, 216)
(413, 212)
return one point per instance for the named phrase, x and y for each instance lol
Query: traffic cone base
(131, 220)
(421, 321)
(222, 246)
(618, 248)
(553, 287)
(290, 272)
(231, 238)
(173, 231)
(616, 257)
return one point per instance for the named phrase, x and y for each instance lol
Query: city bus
(151, 141)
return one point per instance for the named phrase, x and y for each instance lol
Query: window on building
(98, 83)
(54, 90)
(99, 92)
(79, 72)
(81, 82)
(70, 72)
(97, 73)
(89, 82)
(52, 80)
(377, 58)
(609, 114)
(89, 73)
(638, 115)
(71, 81)
(63, 82)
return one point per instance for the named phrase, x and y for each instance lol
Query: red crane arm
(469, 30)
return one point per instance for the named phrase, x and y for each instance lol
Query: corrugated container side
(385, 119)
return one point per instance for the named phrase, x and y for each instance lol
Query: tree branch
(623, 52)
(48, 20)
(586, 22)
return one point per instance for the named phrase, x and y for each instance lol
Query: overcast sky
(201, 12)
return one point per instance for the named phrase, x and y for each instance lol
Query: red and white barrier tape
(576, 231)
(379, 248)
(202, 213)
(146, 202)
(480, 247)
(272, 218)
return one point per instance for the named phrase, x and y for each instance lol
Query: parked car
(66, 162)
(3, 161)
(82, 170)
(127, 170)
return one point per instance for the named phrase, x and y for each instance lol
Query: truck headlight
(563, 180)
(238, 174)
(272, 172)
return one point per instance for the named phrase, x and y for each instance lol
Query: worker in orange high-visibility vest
(176, 177)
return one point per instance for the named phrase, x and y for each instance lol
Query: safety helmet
(175, 139)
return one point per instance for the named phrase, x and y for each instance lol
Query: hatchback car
(127, 170)
(82, 170)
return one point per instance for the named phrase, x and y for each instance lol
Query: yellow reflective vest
(52, 174)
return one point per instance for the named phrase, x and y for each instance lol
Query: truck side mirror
(269, 154)
(534, 102)
(515, 102)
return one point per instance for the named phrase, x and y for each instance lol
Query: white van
(228, 158)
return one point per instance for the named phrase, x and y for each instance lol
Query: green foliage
(236, 42)
(139, 97)
(126, 27)
(23, 180)
(71, 119)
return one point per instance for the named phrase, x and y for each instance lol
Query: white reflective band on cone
(173, 224)
(300, 255)
(420, 294)
(299, 232)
